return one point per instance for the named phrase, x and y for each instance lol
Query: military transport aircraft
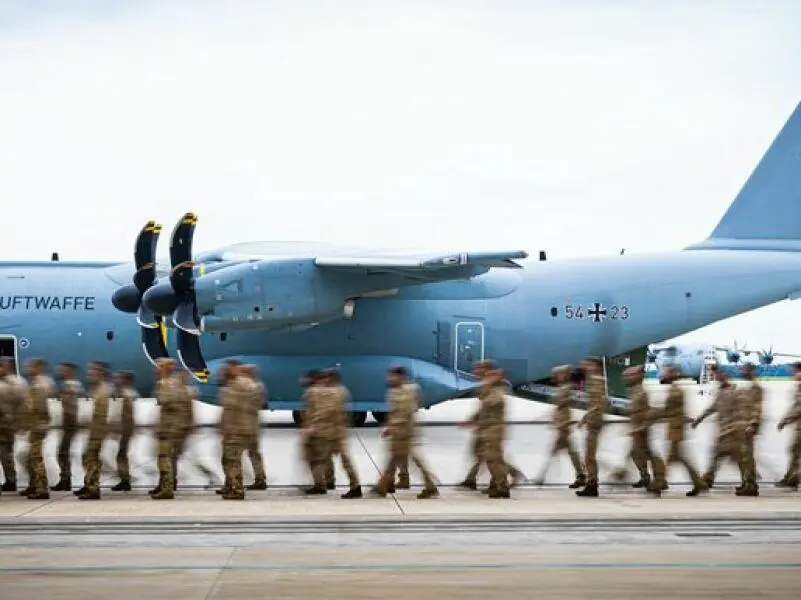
(288, 307)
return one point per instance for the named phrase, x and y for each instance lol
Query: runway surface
(280, 543)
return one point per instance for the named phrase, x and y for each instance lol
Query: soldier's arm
(713, 408)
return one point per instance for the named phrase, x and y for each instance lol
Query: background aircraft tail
(766, 214)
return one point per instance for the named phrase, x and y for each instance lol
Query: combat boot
(428, 493)
(27, 491)
(39, 496)
(259, 484)
(316, 490)
(517, 477)
(9, 486)
(468, 484)
(783, 482)
(89, 496)
(498, 493)
(590, 491)
(354, 492)
(221, 491)
(63, 485)
(644, 482)
(233, 496)
(331, 485)
(403, 482)
(163, 495)
(580, 482)
(122, 486)
(698, 488)
(80, 491)
(655, 489)
(751, 490)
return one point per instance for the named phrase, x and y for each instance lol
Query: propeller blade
(191, 357)
(145, 256)
(184, 318)
(154, 342)
(147, 319)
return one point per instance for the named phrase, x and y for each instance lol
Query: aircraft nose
(160, 299)
(126, 299)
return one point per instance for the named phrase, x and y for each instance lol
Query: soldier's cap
(561, 369)
(399, 370)
(314, 373)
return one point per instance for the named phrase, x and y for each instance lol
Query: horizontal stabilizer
(421, 262)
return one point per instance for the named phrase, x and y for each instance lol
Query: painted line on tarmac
(409, 567)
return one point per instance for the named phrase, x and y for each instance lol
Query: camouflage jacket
(596, 402)
(562, 416)
(750, 402)
(403, 402)
(727, 406)
(640, 417)
(674, 413)
(236, 419)
(128, 395)
(794, 413)
(322, 411)
(173, 398)
(68, 393)
(41, 388)
(494, 412)
(16, 401)
(101, 397)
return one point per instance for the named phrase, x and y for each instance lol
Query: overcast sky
(465, 125)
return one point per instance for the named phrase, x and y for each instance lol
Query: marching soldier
(594, 420)
(675, 415)
(478, 422)
(225, 378)
(171, 395)
(41, 387)
(750, 402)
(494, 431)
(731, 429)
(562, 421)
(258, 399)
(14, 397)
(69, 390)
(125, 390)
(235, 428)
(318, 429)
(793, 417)
(184, 421)
(640, 419)
(100, 391)
(403, 401)
(341, 438)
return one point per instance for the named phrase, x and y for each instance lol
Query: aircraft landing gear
(380, 417)
(358, 419)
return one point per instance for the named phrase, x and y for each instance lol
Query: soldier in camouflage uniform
(793, 417)
(184, 421)
(477, 421)
(731, 429)
(172, 395)
(640, 419)
(225, 378)
(235, 427)
(41, 387)
(69, 390)
(14, 397)
(562, 421)
(339, 446)
(100, 392)
(126, 392)
(494, 431)
(319, 429)
(258, 400)
(403, 402)
(594, 420)
(750, 403)
(675, 415)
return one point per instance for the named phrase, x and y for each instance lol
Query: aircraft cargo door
(8, 349)
(469, 345)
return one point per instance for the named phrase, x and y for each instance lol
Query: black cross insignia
(597, 312)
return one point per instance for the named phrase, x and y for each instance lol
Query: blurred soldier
(171, 395)
(100, 392)
(225, 378)
(126, 392)
(562, 421)
(478, 422)
(14, 397)
(235, 427)
(675, 415)
(494, 431)
(750, 404)
(258, 400)
(640, 420)
(41, 387)
(339, 446)
(731, 429)
(793, 417)
(69, 390)
(184, 421)
(319, 429)
(403, 401)
(595, 389)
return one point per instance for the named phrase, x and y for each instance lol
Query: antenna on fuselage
(54, 257)
(542, 255)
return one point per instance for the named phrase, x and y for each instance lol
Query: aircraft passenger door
(8, 348)
(469, 344)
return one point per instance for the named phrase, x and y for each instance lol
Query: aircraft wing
(422, 263)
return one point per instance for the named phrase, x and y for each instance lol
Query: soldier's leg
(719, 452)
(639, 456)
(166, 489)
(677, 454)
(575, 459)
(64, 461)
(591, 464)
(257, 460)
(232, 455)
(403, 482)
(38, 474)
(7, 460)
(470, 480)
(92, 466)
(429, 485)
(660, 470)
(330, 473)
(792, 475)
(123, 467)
(398, 455)
(321, 454)
(497, 468)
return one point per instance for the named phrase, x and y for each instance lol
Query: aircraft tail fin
(766, 214)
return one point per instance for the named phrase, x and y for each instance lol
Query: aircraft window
(554, 311)
(109, 335)
(223, 336)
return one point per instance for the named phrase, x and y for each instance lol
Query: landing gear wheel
(380, 417)
(296, 417)
(358, 419)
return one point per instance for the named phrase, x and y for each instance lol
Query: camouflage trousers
(92, 465)
(401, 451)
(479, 459)
(795, 455)
(7, 455)
(728, 445)
(676, 454)
(63, 453)
(590, 453)
(123, 467)
(179, 440)
(339, 447)
(232, 449)
(36, 465)
(749, 460)
(317, 450)
(491, 452)
(642, 453)
(167, 458)
(563, 444)
(255, 456)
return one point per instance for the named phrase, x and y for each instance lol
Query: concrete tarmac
(280, 543)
